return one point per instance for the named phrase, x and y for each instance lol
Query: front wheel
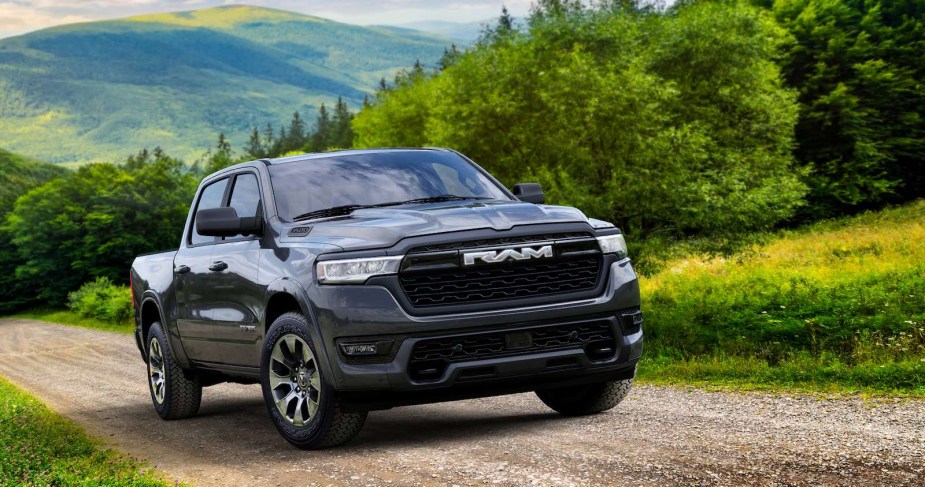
(589, 399)
(301, 404)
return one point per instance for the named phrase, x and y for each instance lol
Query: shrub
(102, 300)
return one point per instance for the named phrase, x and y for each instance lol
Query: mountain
(102, 90)
(460, 32)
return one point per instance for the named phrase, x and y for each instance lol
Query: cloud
(16, 19)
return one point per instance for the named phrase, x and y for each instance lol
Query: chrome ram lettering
(495, 256)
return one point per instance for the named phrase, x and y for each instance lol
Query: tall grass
(839, 301)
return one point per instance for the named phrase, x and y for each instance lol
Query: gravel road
(658, 436)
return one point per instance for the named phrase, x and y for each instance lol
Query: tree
(92, 222)
(268, 140)
(18, 175)
(223, 145)
(341, 129)
(255, 148)
(672, 122)
(448, 58)
(321, 138)
(858, 68)
(295, 137)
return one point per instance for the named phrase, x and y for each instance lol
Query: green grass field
(836, 306)
(39, 447)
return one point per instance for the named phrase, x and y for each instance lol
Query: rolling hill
(102, 90)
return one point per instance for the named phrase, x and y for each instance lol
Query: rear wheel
(302, 405)
(175, 393)
(589, 399)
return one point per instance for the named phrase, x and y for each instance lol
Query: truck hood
(383, 227)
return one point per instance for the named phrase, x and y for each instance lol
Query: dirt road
(658, 436)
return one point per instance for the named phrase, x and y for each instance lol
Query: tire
(589, 399)
(175, 393)
(302, 405)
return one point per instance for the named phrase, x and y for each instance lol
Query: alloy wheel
(295, 381)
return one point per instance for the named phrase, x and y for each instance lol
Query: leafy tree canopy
(673, 121)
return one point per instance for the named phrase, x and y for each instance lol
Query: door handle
(218, 266)
(181, 269)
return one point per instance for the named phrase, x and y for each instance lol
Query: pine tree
(505, 22)
(296, 138)
(268, 140)
(321, 139)
(341, 130)
(223, 144)
(449, 57)
(254, 148)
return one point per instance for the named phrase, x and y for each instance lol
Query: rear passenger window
(211, 197)
(245, 196)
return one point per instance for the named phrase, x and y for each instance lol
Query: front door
(194, 279)
(239, 296)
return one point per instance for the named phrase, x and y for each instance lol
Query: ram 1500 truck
(350, 281)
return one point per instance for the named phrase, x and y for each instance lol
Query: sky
(20, 16)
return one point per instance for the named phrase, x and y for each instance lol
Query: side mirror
(530, 192)
(224, 222)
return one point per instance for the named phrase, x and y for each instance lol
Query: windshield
(313, 185)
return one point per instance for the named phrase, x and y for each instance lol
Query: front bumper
(371, 314)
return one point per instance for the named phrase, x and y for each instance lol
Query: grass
(40, 447)
(66, 317)
(838, 305)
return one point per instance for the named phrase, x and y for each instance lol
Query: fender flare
(173, 340)
(285, 285)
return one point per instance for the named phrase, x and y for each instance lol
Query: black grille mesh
(492, 344)
(501, 282)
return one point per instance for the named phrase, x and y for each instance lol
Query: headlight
(613, 244)
(356, 271)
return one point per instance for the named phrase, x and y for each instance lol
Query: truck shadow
(244, 419)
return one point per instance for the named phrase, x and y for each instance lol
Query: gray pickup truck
(351, 281)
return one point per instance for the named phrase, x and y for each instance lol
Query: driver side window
(211, 197)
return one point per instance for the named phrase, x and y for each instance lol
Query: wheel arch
(285, 295)
(150, 313)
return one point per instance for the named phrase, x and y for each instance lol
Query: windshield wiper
(348, 209)
(329, 212)
(436, 199)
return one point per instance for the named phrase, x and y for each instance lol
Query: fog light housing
(359, 349)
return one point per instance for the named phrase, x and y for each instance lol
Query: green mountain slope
(101, 90)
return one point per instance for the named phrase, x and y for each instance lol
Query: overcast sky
(19, 16)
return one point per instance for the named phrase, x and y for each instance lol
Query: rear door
(239, 296)
(194, 282)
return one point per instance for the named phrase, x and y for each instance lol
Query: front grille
(430, 357)
(501, 282)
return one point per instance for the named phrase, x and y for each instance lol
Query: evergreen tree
(254, 148)
(449, 57)
(268, 140)
(296, 134)
(341, 129)
(223, 145)
(321, 139)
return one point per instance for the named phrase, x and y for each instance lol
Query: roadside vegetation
(39, 447)
(838, 305)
